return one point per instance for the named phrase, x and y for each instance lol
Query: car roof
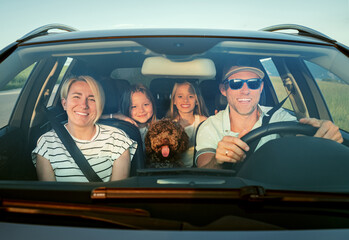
(168, 32)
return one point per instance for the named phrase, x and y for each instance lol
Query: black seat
(113, 90)
(214, 100)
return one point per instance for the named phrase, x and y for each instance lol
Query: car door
(12, 137)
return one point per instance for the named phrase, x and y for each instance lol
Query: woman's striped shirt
(106, 146)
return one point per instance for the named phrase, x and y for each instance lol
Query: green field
(336, 96)
(337, 99)
(19, 80)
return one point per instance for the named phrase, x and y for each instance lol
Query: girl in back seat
(137, 106)
(187, 108)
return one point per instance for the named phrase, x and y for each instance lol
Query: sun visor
(201, 68)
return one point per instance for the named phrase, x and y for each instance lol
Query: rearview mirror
(201, 68)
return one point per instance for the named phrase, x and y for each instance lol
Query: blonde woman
(108, 150)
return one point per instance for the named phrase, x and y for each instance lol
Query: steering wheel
(287, 127)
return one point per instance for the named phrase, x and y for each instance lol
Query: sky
(18, 17)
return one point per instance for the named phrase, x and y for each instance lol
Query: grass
(337, 99)
(21, 78)
(336, 96)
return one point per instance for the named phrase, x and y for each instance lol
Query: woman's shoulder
(48, 135)
(49, 139)
(113, 132)
(109, 129)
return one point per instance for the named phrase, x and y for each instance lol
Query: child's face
(184, 100)
(141, 108)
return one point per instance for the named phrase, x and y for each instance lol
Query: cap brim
(232, 71)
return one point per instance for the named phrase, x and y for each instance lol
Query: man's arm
(208, 160)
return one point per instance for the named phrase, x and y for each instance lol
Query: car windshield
(312, 77)
(174, 129)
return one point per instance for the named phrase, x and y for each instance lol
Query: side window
(9, 94)
(335, 91)
(276, 81)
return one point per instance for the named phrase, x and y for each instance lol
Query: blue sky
(18, 17)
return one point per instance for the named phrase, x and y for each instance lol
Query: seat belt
(270, 113)
(266, 120)
(73, 149)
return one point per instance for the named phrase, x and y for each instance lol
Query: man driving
(218, 139)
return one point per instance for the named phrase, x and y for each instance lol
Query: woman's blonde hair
(95, 88)
(200, 107)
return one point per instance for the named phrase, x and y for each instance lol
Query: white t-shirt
(216, 127)
(187, 156)
(107, 145)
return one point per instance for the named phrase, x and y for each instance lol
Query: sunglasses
(236, 84)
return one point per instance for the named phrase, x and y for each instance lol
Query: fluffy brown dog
(164, 143)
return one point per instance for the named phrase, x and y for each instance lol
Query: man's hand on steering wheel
(231, 149)
(326, 129)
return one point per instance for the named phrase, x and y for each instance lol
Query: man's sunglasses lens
(253, 83)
